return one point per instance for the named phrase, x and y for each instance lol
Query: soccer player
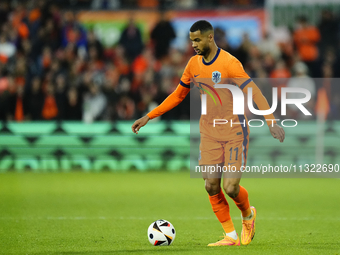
(222, 145)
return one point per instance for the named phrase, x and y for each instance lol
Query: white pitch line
(173, 218)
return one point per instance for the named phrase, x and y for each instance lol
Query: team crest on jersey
(216, 77)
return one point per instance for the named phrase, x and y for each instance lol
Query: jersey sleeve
(237, 74)
(242, 79)
(170, 102)
(175, 97)
(236, 70)
(260, 101)
(186, 76)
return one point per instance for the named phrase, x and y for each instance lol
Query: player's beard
(205, 51)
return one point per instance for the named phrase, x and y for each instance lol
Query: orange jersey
(223, 69)
(223, 66)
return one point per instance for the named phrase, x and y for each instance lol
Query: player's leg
(237, 193)
(211, 156)
(220, 207)
(232, 187)
(218, 201)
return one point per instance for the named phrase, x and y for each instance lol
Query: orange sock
(221, 209)
(228, 226)
(242, 202)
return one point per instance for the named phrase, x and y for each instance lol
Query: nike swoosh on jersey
(231, 163)
(196, 75)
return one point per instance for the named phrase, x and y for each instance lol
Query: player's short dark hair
(201, 25)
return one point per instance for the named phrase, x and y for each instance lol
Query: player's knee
(212, 188)
(231, 190)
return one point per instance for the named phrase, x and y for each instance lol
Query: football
(161, 233)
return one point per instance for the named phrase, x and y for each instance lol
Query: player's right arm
(170, 102)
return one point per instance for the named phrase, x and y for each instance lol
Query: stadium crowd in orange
(52, 68)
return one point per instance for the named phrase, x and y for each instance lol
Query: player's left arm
(244, 82)
(262, 103)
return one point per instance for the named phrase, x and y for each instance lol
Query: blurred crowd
(52, 68)
(169, 4)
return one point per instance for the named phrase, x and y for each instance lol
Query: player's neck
(211, 54)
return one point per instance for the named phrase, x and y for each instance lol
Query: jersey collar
(213, 60)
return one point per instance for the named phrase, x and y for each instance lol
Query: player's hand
(277, 132)
(140, 123)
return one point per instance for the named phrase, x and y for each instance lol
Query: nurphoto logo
(239, 100)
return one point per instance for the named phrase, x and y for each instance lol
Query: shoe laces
(228, 237)
(247, 224)
(224, 236)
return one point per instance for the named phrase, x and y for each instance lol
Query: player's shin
(242, 202)
(220, 207)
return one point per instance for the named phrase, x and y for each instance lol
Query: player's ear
(211, 36)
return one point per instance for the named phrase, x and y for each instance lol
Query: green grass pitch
(109, 213)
